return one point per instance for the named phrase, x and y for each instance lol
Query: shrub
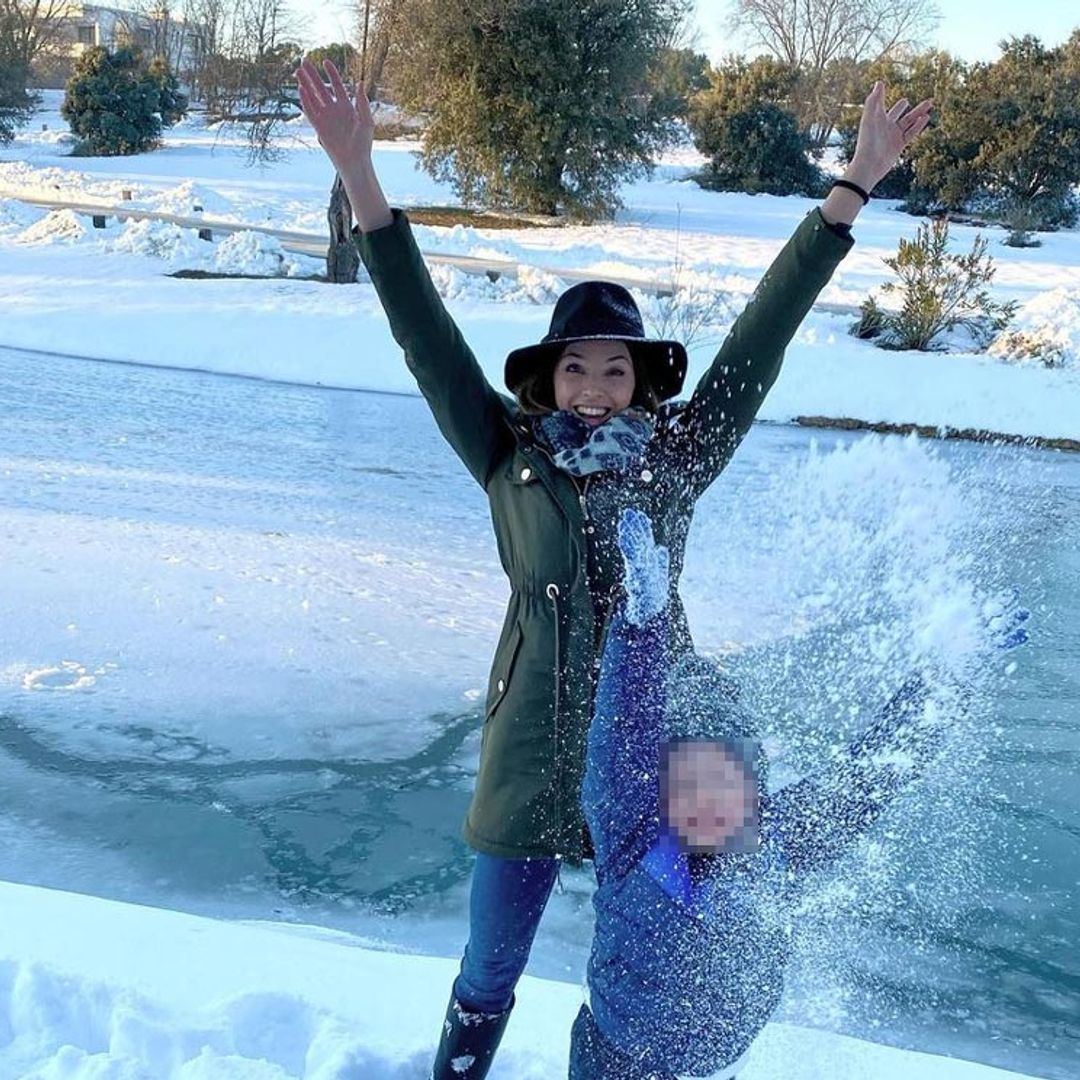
(932, 74)
(758, 149)
(939, 292)
(116, 105)
(1012, 137)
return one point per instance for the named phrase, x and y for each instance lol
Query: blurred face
(594, 380)
(711, 797)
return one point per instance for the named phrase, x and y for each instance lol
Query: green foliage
(933, 74)
(116, 105)
(172, 104)
(760, 150)
(16, 102)
(939, 292)
(1009, 143)
(751, 139)
(738, 84)
(341, 54)
(676, 76)
(539, 105)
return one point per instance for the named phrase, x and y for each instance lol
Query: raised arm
(731, 392)
(469, 412)
(620, 791)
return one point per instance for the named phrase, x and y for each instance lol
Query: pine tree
(744, 124)
(118, 106)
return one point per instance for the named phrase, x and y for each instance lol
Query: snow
(91, 989)
(259, 606)
(58, 292)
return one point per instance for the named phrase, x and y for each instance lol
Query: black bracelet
(864, 195)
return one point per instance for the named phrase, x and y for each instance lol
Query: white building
(153, 31)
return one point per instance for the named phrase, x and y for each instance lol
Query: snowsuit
(689, 950)
(556, 536)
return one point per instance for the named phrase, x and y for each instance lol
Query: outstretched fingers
(309, 84)
(898, 110)
(337, 83)
(913, 123)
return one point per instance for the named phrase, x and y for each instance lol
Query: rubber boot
(469, 1041)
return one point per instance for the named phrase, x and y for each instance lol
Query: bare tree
(207, 20)
(811, 33)
(33, 29)
(826, 41)
(380, 28)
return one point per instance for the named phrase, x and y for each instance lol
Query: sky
(969, 28)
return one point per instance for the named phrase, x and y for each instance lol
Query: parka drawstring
(552, 592)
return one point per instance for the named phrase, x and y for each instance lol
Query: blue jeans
(508, 897)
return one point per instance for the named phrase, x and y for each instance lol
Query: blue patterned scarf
(617, 445)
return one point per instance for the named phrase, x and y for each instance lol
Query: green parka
(556, 534)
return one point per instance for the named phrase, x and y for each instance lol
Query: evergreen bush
(939, 292)
(16, 102)
(117, 105)
(1010, 141)
(543, 106)
(758, 149)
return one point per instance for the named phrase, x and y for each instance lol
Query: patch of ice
(67, 675)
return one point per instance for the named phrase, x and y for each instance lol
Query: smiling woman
(594, 379)
(557, 479)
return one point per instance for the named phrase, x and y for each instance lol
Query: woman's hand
(346, 131)
(884, 136)
(343, 122)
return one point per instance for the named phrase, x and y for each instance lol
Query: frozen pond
(244, 627)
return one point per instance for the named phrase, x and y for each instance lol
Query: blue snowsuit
(689, 951)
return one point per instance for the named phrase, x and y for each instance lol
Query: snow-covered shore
(95, 990)
(68, 288)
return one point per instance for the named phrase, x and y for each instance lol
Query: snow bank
(1046, 331)
(56, 227)
(716, 245)
(95, 990)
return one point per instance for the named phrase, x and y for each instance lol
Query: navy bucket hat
(601, 311)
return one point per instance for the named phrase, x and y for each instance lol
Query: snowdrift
(97, 990)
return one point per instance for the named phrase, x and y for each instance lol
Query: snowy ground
(94, 990)
(68, 288)
(134, 581)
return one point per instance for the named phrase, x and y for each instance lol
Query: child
(694, 858)
(589, 429)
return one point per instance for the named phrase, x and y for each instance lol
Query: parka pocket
(502, 670)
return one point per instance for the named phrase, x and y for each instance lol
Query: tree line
(550, 106)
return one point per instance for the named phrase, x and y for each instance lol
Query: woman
(589, 431)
